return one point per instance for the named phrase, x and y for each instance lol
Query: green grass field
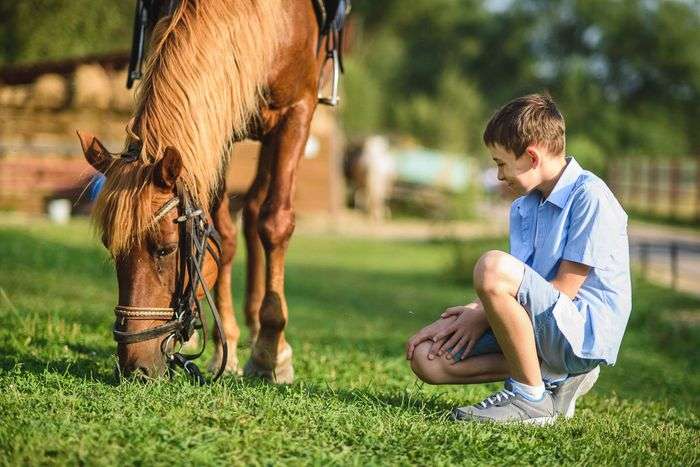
(355, 401)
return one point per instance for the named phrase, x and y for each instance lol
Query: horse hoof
(231, 367)
(282, 373)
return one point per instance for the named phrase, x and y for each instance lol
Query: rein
(185, 314)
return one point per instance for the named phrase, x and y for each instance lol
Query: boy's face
(519, 174)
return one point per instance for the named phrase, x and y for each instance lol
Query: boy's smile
(517, 173)
(536, 169)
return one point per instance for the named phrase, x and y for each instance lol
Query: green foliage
(626, 73)
(352, 303)
(366, 116)
(466, 254)
(37, 30)
(587, 153)
(451, 120)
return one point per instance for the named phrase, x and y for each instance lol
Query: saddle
(330, 14)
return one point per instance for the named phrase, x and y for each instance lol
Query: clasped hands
(458, 328)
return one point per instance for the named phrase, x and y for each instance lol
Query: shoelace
(502, 395)
(553, 385)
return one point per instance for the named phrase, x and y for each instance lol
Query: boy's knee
(426, 370)
(497, 272)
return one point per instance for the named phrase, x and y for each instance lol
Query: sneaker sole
(540, 421)
(588, 381)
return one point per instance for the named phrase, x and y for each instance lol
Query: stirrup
(333, 99)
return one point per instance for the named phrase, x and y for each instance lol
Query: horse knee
(276, 227)
(272, 315)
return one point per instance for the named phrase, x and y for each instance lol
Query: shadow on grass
(30, 251)
(372, 313)
(85, 367)
(407, 399)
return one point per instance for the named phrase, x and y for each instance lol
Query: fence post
(674, 265)
(697, 191)
(644, 258)
(652, 187)
(641, 192)
(674, 179)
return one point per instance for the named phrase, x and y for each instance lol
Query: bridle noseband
(185, 314)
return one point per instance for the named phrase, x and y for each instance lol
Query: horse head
(162, 244)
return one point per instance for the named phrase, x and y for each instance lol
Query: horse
(218, 71)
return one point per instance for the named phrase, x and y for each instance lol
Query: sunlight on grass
(353, 304)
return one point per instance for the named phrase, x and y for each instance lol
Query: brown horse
(218, 71)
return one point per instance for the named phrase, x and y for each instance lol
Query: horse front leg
(224, 296)
(255, 271)
(271, 355)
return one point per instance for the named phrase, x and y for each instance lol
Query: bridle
(185, 313)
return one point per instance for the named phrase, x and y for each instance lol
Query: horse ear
(168, 169)
(95, 152)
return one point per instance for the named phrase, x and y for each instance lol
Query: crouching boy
(555, 308)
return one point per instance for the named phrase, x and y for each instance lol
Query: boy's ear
(533, 154)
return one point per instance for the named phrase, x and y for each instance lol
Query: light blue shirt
(580, 221)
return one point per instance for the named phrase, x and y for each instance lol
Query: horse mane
(203, 84)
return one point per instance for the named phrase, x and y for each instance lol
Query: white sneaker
(567, 391)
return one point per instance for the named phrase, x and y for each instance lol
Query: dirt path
(658, 265)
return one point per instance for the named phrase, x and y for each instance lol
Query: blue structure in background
(432, 168)
(96, 183)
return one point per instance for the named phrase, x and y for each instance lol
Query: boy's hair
(527, 120)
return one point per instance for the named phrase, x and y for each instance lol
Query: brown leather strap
(132, 312)
(126, 337)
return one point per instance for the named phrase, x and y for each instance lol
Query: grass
(353, 304)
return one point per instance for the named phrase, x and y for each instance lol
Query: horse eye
(165, 251)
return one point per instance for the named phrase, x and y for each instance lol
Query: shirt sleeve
(591, 227)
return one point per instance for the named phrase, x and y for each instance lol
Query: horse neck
(204, 82)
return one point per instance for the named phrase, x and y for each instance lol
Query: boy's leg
(478, 369)
(497, 277)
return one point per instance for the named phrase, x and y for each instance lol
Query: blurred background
(404, 148)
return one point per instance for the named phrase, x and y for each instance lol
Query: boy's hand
(428, 334)
(469, 325)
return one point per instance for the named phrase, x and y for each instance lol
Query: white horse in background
(374, 174)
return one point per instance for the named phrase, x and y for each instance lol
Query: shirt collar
(566, 183)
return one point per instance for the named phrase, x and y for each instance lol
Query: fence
(662, 259)
(658, 187)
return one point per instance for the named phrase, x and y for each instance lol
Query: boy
(556, 307)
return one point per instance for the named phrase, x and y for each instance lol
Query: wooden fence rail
(673, 251)
(658, 187)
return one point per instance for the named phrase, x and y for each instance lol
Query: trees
(37, 30)
(626, 73)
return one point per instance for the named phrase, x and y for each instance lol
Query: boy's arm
(570, 277)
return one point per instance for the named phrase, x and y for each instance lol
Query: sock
(532, 393)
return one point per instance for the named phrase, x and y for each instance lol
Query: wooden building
(41, 160)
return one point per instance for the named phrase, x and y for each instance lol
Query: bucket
(59, 210)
